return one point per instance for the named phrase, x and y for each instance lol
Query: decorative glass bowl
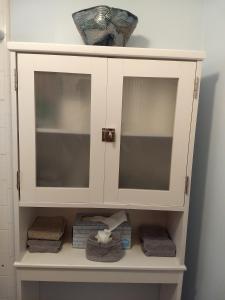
(104, 25)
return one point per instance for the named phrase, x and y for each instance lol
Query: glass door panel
(63, 108)
(148, 112)
(150, 106)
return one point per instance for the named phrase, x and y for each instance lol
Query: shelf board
(104, 51)
(100, 205)
(72, 258)
(60, 131)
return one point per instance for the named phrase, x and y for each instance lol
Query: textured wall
(7, 285)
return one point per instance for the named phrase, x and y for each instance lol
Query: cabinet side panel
(190, 159)
(15, 165)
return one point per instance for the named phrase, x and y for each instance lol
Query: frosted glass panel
(63, 105)
(148, 114)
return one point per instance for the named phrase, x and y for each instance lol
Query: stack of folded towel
(156, 241)
(46, 234)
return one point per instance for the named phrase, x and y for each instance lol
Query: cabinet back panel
(136, 217)
(145, 162)
(148, 106)
(63, 160)
(58, 291)
(63, 101)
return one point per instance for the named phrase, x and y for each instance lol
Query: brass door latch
(108, 135)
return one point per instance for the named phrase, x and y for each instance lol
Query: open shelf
(72, 258)
(71, 265)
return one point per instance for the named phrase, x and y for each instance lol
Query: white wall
(205, 279)
(162, 24)
(168, 24)
(7, 282)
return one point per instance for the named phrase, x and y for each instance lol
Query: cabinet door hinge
(15, 79)
(196, 87)
(187, 184)
(18, 180)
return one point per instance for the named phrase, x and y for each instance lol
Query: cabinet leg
(18, 290)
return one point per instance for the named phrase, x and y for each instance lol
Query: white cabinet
(66, 102)
(97, 129)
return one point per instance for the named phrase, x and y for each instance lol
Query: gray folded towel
(44, 246)
(157, 242)
(110, 252)
(47, 228)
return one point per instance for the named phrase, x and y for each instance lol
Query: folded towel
(110, 252)
(44, 246)
(47, 228)
(157, 242)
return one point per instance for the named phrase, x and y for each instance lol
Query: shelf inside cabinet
(58, 131)
(72, 258)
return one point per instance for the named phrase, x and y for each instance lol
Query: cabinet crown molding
(105, 51)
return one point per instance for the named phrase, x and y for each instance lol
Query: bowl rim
(92, 7)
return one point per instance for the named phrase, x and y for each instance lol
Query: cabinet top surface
(105, 51)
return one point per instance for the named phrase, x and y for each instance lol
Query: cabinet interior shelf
(67, 131)
(59, 131)
(72, 258)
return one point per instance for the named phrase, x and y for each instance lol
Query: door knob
(2, 35)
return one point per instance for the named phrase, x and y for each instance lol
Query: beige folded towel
(47, 228)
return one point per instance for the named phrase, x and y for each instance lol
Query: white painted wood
(4, 263)
(4, 172)
(70, 265)
(27, 65)
(2, 114)
(4, 286)
(4, 217)
(185, 73)
(72, 258)
(4, 238)
(107, 51)
(107, 275)
(2, 85)
(3, 146)
(104, 206)
(190, 163)
(15, 162)
(18, 230)
(3, 192)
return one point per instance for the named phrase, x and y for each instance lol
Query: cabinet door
(150, 107)
(61, 101)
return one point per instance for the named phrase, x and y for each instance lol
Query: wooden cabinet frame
(168, 273)
(184, 72)
(107, 76)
